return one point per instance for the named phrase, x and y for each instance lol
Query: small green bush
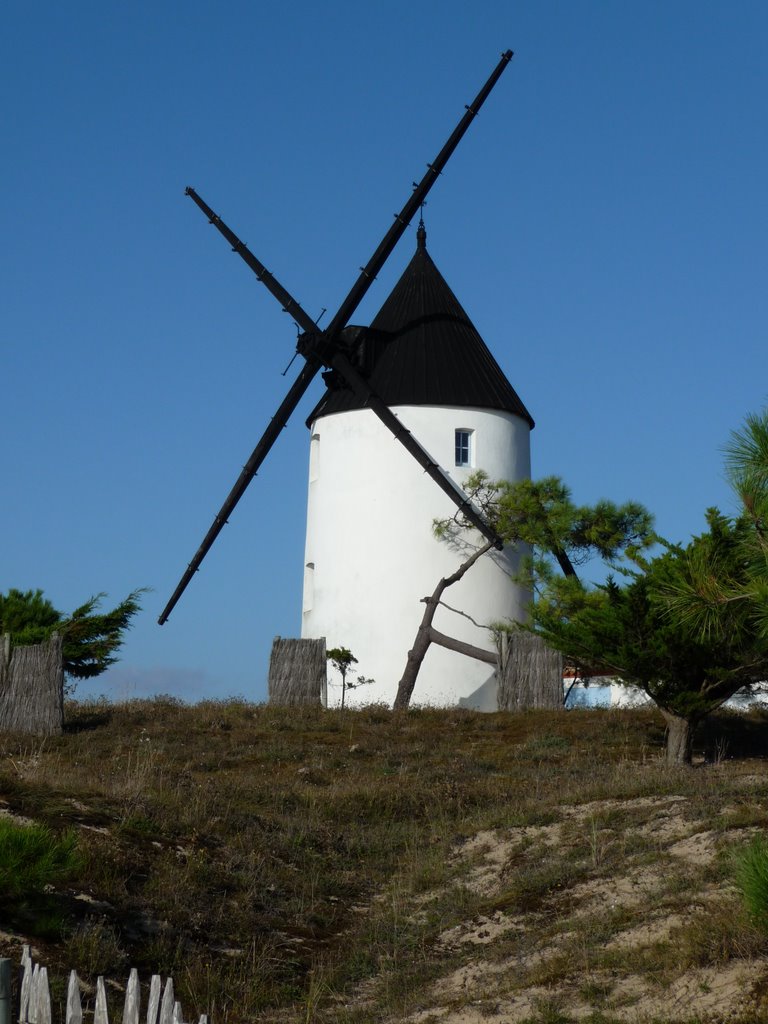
(751, 877)
(32, 857)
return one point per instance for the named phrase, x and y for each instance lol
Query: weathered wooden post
(74, 1008)
(32, 687)
(530, 673)
(132, 998)
(155, 987)
(168, 1003)
(35, 998)
(297, 672)
(26, 982)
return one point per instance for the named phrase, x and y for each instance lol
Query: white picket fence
(35, 999)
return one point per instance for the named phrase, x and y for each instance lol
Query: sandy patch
(470, 979)
(596, 807)
(482, 931)
(720, 994)
(698, 848)
(493, 850)
(623, 892)
(507, 1011)
(656, 930)
(712, 993)
(494, 986)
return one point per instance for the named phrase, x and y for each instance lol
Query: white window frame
(461, 445)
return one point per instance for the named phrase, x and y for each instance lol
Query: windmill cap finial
(421, 235)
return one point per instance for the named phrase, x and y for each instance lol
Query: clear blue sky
(603, 223)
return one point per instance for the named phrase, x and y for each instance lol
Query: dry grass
(359, 866)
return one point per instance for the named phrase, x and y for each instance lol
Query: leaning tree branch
(423, 639)
(461, 647)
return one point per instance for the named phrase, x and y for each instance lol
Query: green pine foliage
(723, 591)
(634, 631)
(28, 616)
(543, 515)
(90, 638)
(689, 626)
(342, 660)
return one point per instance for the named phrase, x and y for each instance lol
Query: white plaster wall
(371, 555)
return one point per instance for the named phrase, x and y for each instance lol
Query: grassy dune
(298, 865)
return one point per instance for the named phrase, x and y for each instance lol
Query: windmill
(335, 352)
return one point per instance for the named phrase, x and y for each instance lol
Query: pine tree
(690, 627)
(90, 639)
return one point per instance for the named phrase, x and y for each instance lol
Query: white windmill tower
(370, 552)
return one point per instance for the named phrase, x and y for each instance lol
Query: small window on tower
(309, 587)
(463, 447)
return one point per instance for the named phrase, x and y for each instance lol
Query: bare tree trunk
(679, 749)
(424, 635)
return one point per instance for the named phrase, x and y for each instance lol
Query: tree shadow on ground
(86, 719)
(733, 734)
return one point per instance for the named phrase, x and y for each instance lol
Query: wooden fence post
(74, 1007)
(132, 997)
(26, 982)
(167, 1004)
(153, 1008)
(42, 998)
(32, 1011)
(5, 991)
(35, 999)
(100, 1013)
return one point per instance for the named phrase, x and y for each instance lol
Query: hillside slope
(299, 865)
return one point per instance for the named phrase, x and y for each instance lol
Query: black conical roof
(424, 350)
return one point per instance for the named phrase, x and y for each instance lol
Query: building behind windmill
(370, 552)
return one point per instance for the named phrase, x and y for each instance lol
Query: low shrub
(751, 877)
(33, 857)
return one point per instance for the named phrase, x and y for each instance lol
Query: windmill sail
(323, 348)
